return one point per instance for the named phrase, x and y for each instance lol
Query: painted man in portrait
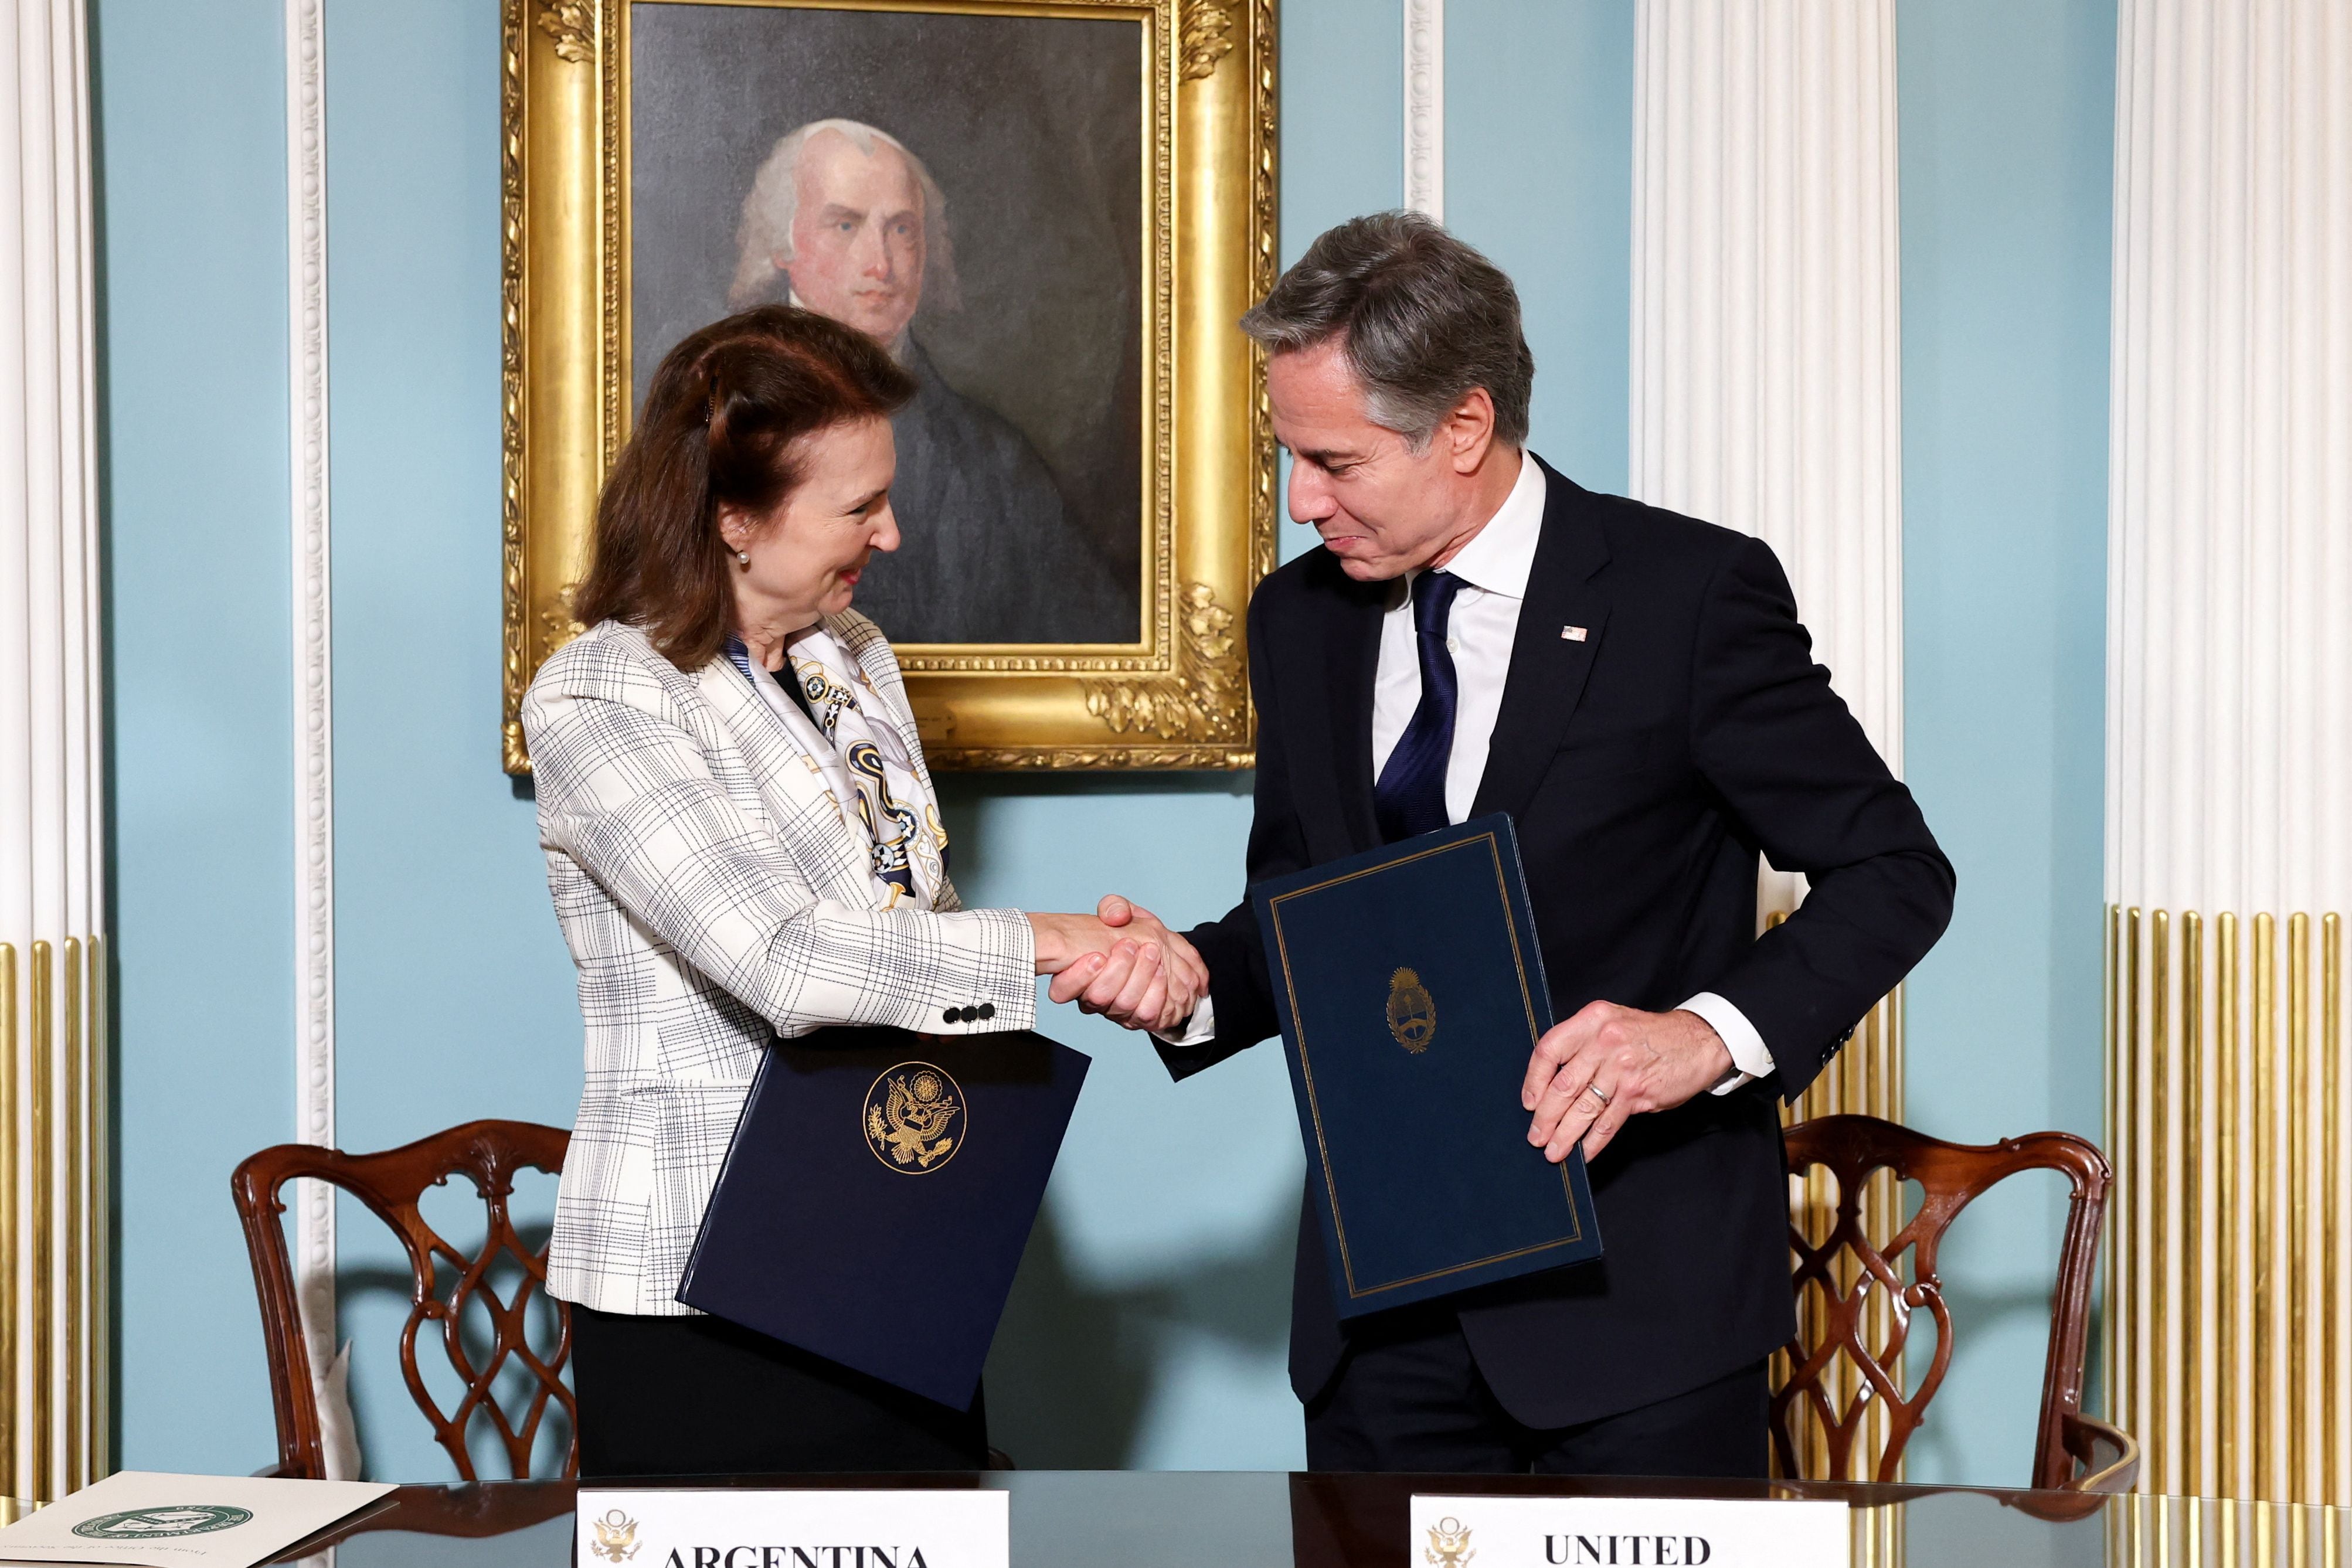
(843, 220)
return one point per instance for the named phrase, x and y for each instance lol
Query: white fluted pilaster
(2230, 743)
(53, 1399)
(1767, 373)
(1767, 369)
(1766, 377)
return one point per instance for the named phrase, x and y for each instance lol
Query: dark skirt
(702, 1397)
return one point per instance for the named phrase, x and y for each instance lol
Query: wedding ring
(1595, 1091)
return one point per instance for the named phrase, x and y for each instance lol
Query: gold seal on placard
(1412, 1015)
(617, 1537)
(1449, 1545)
(908, 1114)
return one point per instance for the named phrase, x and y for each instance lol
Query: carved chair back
(391, 1184)
(1950, 1176)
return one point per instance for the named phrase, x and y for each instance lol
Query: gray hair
(766, 231)
(1420, 318)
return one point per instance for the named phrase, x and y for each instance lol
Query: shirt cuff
(1199, 1030)
(1750, 1060)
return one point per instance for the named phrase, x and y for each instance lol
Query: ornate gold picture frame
(1201, 242)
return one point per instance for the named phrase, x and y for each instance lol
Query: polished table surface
(1145, 1518)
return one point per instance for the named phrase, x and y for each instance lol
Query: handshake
(1585, 1078)
(1123, 963)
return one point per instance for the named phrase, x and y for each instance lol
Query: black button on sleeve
(987, 1009)
(949, 1016)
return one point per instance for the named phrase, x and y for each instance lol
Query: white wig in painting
(766, 231)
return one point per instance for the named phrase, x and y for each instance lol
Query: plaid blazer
(714, 898)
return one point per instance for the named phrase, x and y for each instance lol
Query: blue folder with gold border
(1411, 992)
(879, 1194)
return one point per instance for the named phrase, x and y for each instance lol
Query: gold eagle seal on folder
(908, 1113)
(1412, 1015)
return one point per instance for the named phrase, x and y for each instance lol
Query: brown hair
(717, 431)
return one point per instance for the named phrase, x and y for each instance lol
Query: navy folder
(1411, 992)
(878, 1193)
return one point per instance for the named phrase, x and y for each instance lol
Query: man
(847, 222)
(1478, 635)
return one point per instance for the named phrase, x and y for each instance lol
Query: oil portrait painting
(864, 166)
(1049, 212)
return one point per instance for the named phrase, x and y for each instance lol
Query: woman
(743, 842)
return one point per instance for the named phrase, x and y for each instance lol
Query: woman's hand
(1158, 976)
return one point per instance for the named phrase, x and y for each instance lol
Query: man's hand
(1132, 969)
(1608, 1063)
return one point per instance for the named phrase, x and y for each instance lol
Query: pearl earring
(745, 557)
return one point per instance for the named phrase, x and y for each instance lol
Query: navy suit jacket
(1646, 765)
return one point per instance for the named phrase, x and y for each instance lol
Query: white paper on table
(143, 1519)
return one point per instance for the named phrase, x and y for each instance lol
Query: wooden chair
(392, 1183)
(2071, 1452)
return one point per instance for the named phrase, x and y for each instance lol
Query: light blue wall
(1540, 175)
(2007, 118)
(192, 246)
(455, 993)
(1342, 65)
(1147, 1328)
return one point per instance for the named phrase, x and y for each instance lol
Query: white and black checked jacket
(714, 897)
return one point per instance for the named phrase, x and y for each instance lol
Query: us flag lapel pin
(1572, 633)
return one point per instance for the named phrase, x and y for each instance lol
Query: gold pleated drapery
(1865, 1078)
(2228, 1286)
(53, 1370)
(2221, 1533)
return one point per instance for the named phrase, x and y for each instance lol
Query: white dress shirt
(1480, 630)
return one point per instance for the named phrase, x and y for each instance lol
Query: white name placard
(731, 1528)
(1627, 1532)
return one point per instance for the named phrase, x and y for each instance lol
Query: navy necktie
(1410, 798)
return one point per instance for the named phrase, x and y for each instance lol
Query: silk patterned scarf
(899, 815)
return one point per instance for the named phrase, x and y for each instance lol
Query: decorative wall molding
(54, 1398)
(314, 770)
(1204, 35)
(1767, 373)
(2205, 1533)
(2229, 861)
(1766, 376)
(1424, 107)
(2227, 1127)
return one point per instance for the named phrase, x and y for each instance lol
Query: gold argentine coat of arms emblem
(1412, 1015)
(908, 1114)
(1449, 1545)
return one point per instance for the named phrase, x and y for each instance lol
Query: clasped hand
(1123, 962)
